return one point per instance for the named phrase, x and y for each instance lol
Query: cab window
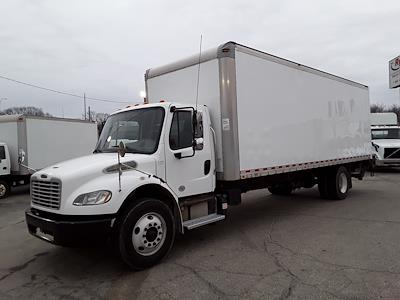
(2, 153)
(181, 133)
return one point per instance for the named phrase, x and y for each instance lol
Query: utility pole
(90, 116)
(84, 105)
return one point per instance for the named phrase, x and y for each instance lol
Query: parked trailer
(30, 143)
(175, 164)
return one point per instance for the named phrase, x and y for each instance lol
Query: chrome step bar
(212, 218)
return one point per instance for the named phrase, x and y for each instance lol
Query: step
(191, 224)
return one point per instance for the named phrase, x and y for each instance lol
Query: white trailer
(385, 133)
(174, 164)
(30, 143)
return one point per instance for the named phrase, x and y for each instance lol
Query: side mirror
(198, 144)
(121, 149)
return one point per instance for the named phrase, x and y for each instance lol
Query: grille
(46, 193)
(389, 151)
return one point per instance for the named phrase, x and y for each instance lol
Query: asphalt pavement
(270, 247)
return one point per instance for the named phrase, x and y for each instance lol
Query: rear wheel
(283, 189)
(338, 183)
(146, 234)
(4, 189)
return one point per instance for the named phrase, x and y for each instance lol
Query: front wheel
(4, 189)
(146, 234)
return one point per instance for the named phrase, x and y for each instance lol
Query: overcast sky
(104, 47)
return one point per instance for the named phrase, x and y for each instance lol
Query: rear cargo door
(188, 172)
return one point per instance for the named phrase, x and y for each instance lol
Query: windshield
(138, 129)
(390, 133)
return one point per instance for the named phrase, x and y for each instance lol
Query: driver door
(189, 172)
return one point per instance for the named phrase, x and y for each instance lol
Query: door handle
(207, 166)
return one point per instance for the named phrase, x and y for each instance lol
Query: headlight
(93, 198)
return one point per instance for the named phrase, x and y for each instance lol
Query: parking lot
(269, 247)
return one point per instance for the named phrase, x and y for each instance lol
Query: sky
(102, 48)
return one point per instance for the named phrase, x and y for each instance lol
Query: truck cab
(385, 138)
(386, 145)
(152, 174)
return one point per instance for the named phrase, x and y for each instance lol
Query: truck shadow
(382, 170)
(20, 190)
(258, 208)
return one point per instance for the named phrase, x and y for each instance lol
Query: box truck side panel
(288, 116)
(52, 141)
(9, 135)
(180, 86)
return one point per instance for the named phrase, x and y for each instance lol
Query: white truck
(30, 143)
(385, 134)
(174, 164)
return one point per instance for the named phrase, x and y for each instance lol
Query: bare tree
(377, 108)
(25, 110)
(396, 109)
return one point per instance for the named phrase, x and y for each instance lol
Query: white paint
(389, 118)
(289, 116)
(5, 162)
(9, 136)
(85, 174)
(52, 141)
(189, 172)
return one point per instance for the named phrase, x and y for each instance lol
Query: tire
(4, 189)
(338, 183)
(284, 189)
(146, 233)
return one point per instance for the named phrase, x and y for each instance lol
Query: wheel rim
(3, 189)
(149, 234)
(343, 183)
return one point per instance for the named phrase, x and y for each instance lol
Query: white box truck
(30, 143)
(174, 164)
(385, 133)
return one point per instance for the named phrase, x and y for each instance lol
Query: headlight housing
(93, 198)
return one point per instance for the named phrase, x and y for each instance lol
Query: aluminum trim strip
(298, 167)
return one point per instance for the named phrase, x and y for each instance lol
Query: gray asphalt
(270, 247)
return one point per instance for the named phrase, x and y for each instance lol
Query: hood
(387, 143)
(95, 163)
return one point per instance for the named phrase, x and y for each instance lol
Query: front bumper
(388, 162)
(68, 230)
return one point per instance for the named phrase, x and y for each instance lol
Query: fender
(155, 187)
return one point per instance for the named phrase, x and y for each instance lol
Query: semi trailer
(29, 143)
(212, 127)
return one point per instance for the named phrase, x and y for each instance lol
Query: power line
(60, 92)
